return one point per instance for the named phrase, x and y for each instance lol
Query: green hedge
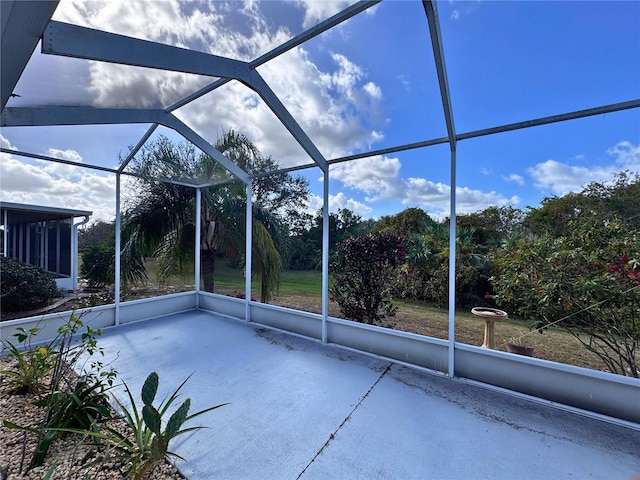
(24, 286)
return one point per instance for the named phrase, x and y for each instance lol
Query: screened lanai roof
(68, 64)
(413, 79)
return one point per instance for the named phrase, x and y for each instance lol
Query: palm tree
(160, 219)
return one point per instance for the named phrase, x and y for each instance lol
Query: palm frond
(268, 259)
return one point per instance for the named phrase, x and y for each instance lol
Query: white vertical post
(73, 268)
(248, 250)
(57, 246)
(5, 233)
(325, 254)
(74, 250)
(20, 242)
(28, 256)
(45, 245)
(452, 267)
(198, 243)
(117, 266)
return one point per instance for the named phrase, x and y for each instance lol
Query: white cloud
(468, 7)
(561, 178)
(69, 172)
(405, 81)
(70, 155)
(514, 177)
(4, 143)
(199, 27)
(316, 11)
(626, 155)
(373, 90)
(339, 108)
(337, 202)
(379, 178)
(435, 196)
(50, 185)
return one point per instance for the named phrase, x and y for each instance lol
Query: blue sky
(367, 84)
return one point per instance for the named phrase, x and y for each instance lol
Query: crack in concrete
(346, 419)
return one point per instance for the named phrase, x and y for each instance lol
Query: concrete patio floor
(300, 409)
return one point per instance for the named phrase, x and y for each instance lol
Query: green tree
(425, 275)
(618, 198)
(98, 232)
(492, 224)
(554, 214)
(160, 218)
(587, 281)
(409, 221)
(306, 242)
(363, 270)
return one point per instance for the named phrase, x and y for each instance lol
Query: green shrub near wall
(24, 286)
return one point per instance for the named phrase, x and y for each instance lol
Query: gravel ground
(73, 455)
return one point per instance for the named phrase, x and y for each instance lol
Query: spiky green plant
(150, 444)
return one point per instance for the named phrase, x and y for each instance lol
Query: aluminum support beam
(5, 234)
(21, 25)
(452, 268)
(248, 263)
(404, 147)
(81, 42)
(20, 153)
(276, 106)
(138, 146)
(90, 44)
(325, 254)
(206, 147)
(118, 249)
(198, 243)
(589, 112)
(431, 10)
(48, 116)
(45, 116)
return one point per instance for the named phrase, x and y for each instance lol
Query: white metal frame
(79, 42)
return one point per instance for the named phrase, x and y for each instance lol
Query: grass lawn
(302, 290)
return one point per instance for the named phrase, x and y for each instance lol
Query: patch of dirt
(87, 298)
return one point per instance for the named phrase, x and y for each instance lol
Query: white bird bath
(490, 315)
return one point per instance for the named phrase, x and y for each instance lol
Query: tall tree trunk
(264, 292)
(208, 268)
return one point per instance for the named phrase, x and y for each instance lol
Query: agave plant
(150, 444)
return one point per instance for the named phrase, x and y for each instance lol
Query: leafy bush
(363, 270)
(471, 285)
(587, 281)
(24, 286)
(68, 404)
(97, 265)
(32, 363)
